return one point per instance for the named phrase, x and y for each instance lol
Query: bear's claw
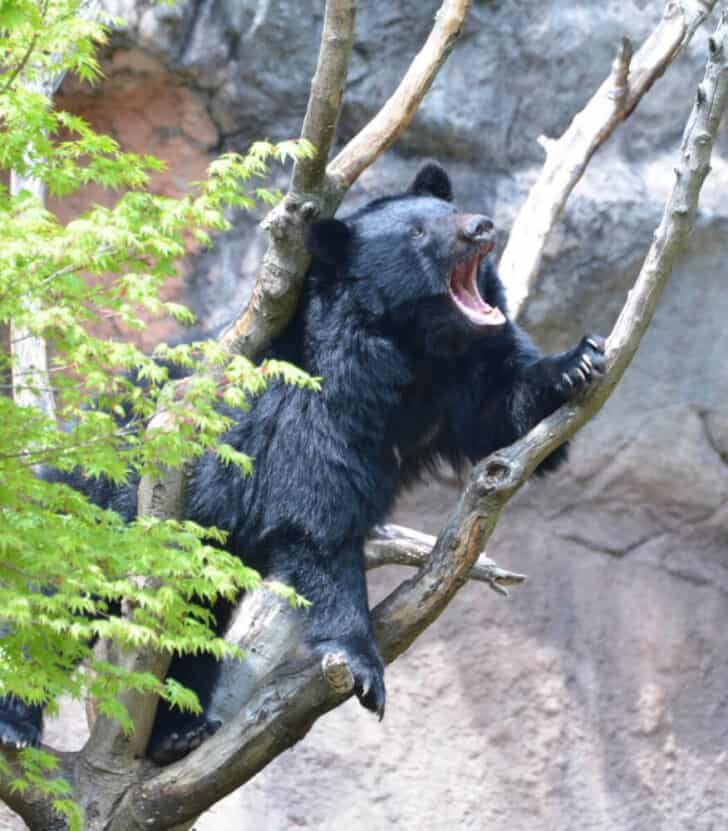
(369, 688)
(18, 736)
(581, 365)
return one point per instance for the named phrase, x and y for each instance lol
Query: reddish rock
(147, 110)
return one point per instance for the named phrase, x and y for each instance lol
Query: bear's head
(413, 258)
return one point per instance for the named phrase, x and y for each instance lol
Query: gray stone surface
(597, 696)
(521, 69)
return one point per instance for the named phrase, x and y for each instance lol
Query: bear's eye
(416, 231)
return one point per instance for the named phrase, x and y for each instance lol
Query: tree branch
(316, 192)
(285, 262)
(395, 545)
(394, 117)
(566, 158)
(327, 93)
(283, 709)
(163, 498)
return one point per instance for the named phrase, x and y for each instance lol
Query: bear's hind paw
(18, 736)
(369, 689)
(165, 749)
(341, 664)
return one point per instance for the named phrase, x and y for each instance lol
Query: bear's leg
(336, 621)
(176, 733)
(21, 724)
(338, 618)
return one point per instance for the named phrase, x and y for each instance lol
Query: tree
(263, 729)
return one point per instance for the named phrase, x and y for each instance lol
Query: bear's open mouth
(463, 288)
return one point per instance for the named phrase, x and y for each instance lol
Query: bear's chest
(420, 415)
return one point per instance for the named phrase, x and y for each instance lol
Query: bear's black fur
(404, 318)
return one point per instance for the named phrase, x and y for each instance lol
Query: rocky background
(597, 696)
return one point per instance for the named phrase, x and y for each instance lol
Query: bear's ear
(329, 240)
(432, 179)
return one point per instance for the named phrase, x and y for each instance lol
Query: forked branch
(315, 190)
(631, 78)
(408, 610)
(391, 121)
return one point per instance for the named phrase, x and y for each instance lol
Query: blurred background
(596, 697)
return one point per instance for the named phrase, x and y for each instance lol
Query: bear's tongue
(463, 287)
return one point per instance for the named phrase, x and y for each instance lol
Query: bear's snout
(476, 228)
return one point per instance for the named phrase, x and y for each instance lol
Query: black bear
(404, 318)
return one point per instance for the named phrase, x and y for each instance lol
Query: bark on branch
(283, 709)
(631, 78)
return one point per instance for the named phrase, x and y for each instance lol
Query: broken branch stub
(395, 545)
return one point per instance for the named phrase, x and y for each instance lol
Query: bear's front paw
(366, 667)
(581, 365)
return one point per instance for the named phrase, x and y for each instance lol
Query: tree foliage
(66, 565)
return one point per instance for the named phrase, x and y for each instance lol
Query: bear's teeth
(463, 289)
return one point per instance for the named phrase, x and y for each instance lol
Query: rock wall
(597, 696)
